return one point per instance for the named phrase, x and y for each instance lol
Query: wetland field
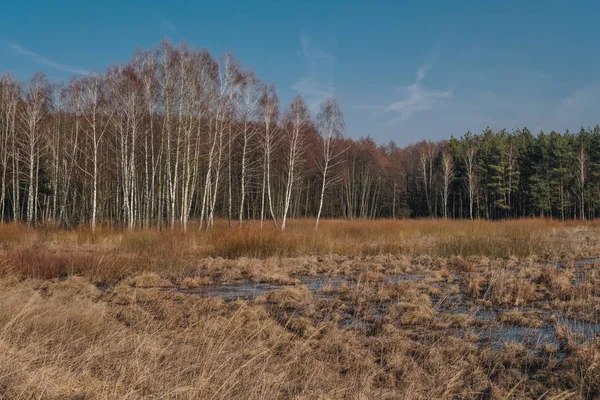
(405, 309)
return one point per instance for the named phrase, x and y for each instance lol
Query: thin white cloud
(317, 85)
(166, 23)
(366, 107)
(576, 109)
(46, 61)
(418, 98)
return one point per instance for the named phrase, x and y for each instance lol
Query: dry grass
(109, 254)
(402, 309)
(67, 339)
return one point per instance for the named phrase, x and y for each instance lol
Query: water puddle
(244, 291)
(584, 262)
(486, 323)
(252, 290)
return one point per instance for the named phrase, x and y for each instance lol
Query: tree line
(176, 134)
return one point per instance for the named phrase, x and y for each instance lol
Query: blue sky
(402, 70)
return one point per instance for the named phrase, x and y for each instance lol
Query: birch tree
(168, 171)
(125, 90)
(426, 159)
(9, 96)
(512, 172)
(248, 103)
(36, 98)
(228, 80)
(73, 100)
(56, 144)
(148, 73)
(297, 124)
(581, 176)
(470, 176)
(447, 169)
(270, 139)
(330, 123)
(97, 124)
(192, 75)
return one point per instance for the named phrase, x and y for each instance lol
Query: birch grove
(177, 136)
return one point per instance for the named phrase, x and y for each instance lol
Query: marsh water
(487, 320)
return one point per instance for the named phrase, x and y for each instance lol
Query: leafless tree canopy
(176, 135)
